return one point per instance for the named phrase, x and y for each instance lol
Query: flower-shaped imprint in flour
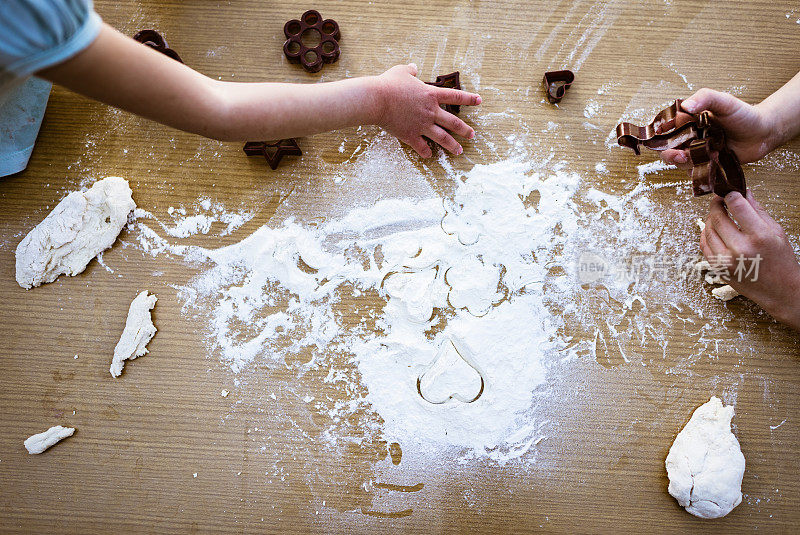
(456, 224)
(453, 374)
(473, 286)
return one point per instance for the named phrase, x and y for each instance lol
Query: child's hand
(751, 131)
(748, 232)
(410, 109)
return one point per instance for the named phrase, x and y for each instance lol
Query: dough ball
(705, 464)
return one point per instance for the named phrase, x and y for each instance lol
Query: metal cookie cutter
(715, 167)
(154, 40)
(556, 84)
(312, 58)
(273, 152)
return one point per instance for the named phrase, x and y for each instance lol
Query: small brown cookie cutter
(715, 167)
(556, 84)
(273, 152)
(312, 58)
(450, 81)
(154, 40)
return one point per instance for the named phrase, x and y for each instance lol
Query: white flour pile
(472, 269)
(489, 269)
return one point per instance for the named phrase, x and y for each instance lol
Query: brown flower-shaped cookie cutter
(312, 27)
(556, 84)
(273, 152)
(450, 81)
(154, 40)
(715, 167)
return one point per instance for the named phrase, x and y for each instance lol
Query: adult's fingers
(744, 212)
(439, 135)
(715, 245)
(446, 95)
(450, 122)
(757, 205)
(677, 158)
(722, 224)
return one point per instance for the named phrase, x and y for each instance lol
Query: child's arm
(739, 226)
(123, 73)
(752, 130)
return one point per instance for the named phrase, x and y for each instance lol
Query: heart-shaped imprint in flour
(453, 374)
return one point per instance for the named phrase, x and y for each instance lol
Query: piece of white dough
(705, 464)
(80, 227)
(139, 330)
(41, 441)
(701, 225)
(724, 293)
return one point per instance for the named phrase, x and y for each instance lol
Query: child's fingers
(457, 97)
(439, 135)
(744, 213)
(412, 69)
(677, 158)
(450, 122)
(720, 104)
(420, 145)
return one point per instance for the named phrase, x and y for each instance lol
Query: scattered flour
(373, 297)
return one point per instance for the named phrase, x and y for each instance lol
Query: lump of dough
(705, 465)
(41, 441)
(724, 293)
(80, 227)
(139, 330)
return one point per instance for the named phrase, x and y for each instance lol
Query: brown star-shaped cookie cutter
(450, 81)
(273, 152)
(556, 84)
(154, 40)
(312, 58)
(715, 167)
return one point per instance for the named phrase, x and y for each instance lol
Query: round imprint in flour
(473, 286)
(453, 375)
(415, 291)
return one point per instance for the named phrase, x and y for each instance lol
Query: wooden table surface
(159, 450)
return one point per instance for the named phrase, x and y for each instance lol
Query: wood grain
(130, 466)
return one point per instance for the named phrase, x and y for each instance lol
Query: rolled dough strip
(139, 330)
(80, 227)
(41, 441)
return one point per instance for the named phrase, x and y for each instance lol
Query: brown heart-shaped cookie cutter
(556, 84)
(715, 167)
(154, 40)
(311, 58)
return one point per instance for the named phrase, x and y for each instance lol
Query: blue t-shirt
(34, 35)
